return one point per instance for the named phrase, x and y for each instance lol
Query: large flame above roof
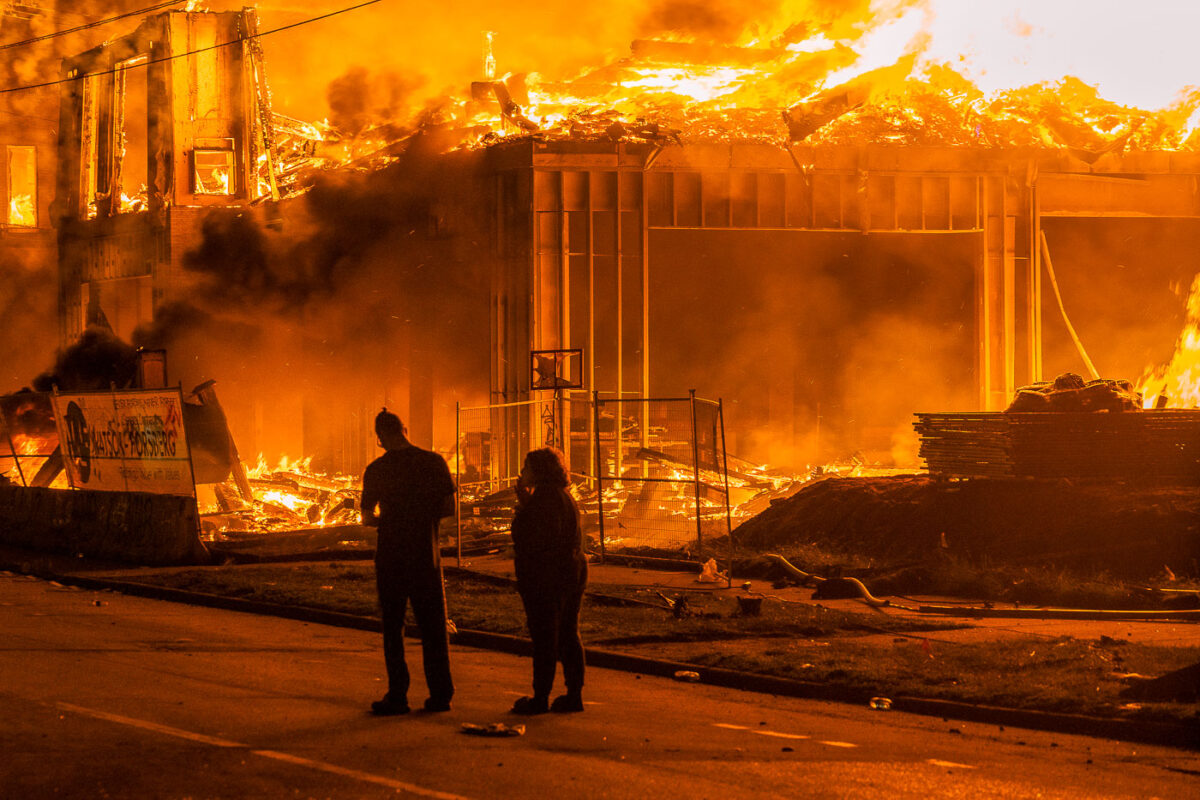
(902, 71)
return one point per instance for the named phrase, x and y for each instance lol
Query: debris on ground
(493, 729)
(709, 572)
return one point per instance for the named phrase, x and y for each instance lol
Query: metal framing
(999, 196)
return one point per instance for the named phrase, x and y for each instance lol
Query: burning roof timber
(791, 95)
(682, 92)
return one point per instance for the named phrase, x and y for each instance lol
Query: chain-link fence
(656, 467)
(662, 473)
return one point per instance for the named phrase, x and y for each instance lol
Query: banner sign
(125, 441)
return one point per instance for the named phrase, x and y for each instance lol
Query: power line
(192, 52)
(95, 24)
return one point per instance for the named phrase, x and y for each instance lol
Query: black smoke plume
(98, 360)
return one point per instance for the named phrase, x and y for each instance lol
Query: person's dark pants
(553, 619)
(396, 588)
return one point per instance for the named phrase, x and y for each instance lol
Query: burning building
(36, 36)
(828, 247)
(184, 228)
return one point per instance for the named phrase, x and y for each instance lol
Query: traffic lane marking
(150, 726)
(288, 758)
(779, 735)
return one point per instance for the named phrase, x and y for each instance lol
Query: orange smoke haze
(389, 62)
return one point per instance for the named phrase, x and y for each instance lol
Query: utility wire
(193, 52)
(95, 24)
(27, 116)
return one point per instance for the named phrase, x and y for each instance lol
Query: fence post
(599, 469)
(728, 513)
(696, 474)
(13, 448)
(458, 478)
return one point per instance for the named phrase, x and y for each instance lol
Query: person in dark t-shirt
(551, 576)
(406, 492)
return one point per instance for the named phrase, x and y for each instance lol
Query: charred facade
(197, 220)
(152, 140)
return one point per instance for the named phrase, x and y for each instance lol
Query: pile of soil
(1127, 531)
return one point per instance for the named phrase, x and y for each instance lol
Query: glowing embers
(287, 497)
(1176, 384)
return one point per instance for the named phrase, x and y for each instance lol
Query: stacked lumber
(966, 445)
(1158, 445)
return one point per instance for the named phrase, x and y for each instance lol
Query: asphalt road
(103, 695)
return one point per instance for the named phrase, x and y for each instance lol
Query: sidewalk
(124, 578)
(674, 581)
(1179, 634)
(1167, 633)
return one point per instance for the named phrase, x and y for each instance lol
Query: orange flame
(21, 212)
(1178, 381)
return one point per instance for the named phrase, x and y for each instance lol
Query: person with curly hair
(551, 576)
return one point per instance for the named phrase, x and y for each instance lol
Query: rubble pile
(288, 498)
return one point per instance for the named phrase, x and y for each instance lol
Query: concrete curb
(1182, 735)
(1102, 615)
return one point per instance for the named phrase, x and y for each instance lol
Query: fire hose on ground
(830, 588)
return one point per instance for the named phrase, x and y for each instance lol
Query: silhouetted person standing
(551, 576)
(412, 490)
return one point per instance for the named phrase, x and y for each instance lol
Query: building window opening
(22, 186)
(213, 166)
(132, 146)
(93, 167)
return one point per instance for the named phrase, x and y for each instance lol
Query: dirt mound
(1127, 531)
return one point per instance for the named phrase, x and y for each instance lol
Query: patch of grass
(955, 576)
(1064, 675)
(348, 588)
(872, 653)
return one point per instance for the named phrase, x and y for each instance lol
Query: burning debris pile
(287, 498)
(652, 510)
